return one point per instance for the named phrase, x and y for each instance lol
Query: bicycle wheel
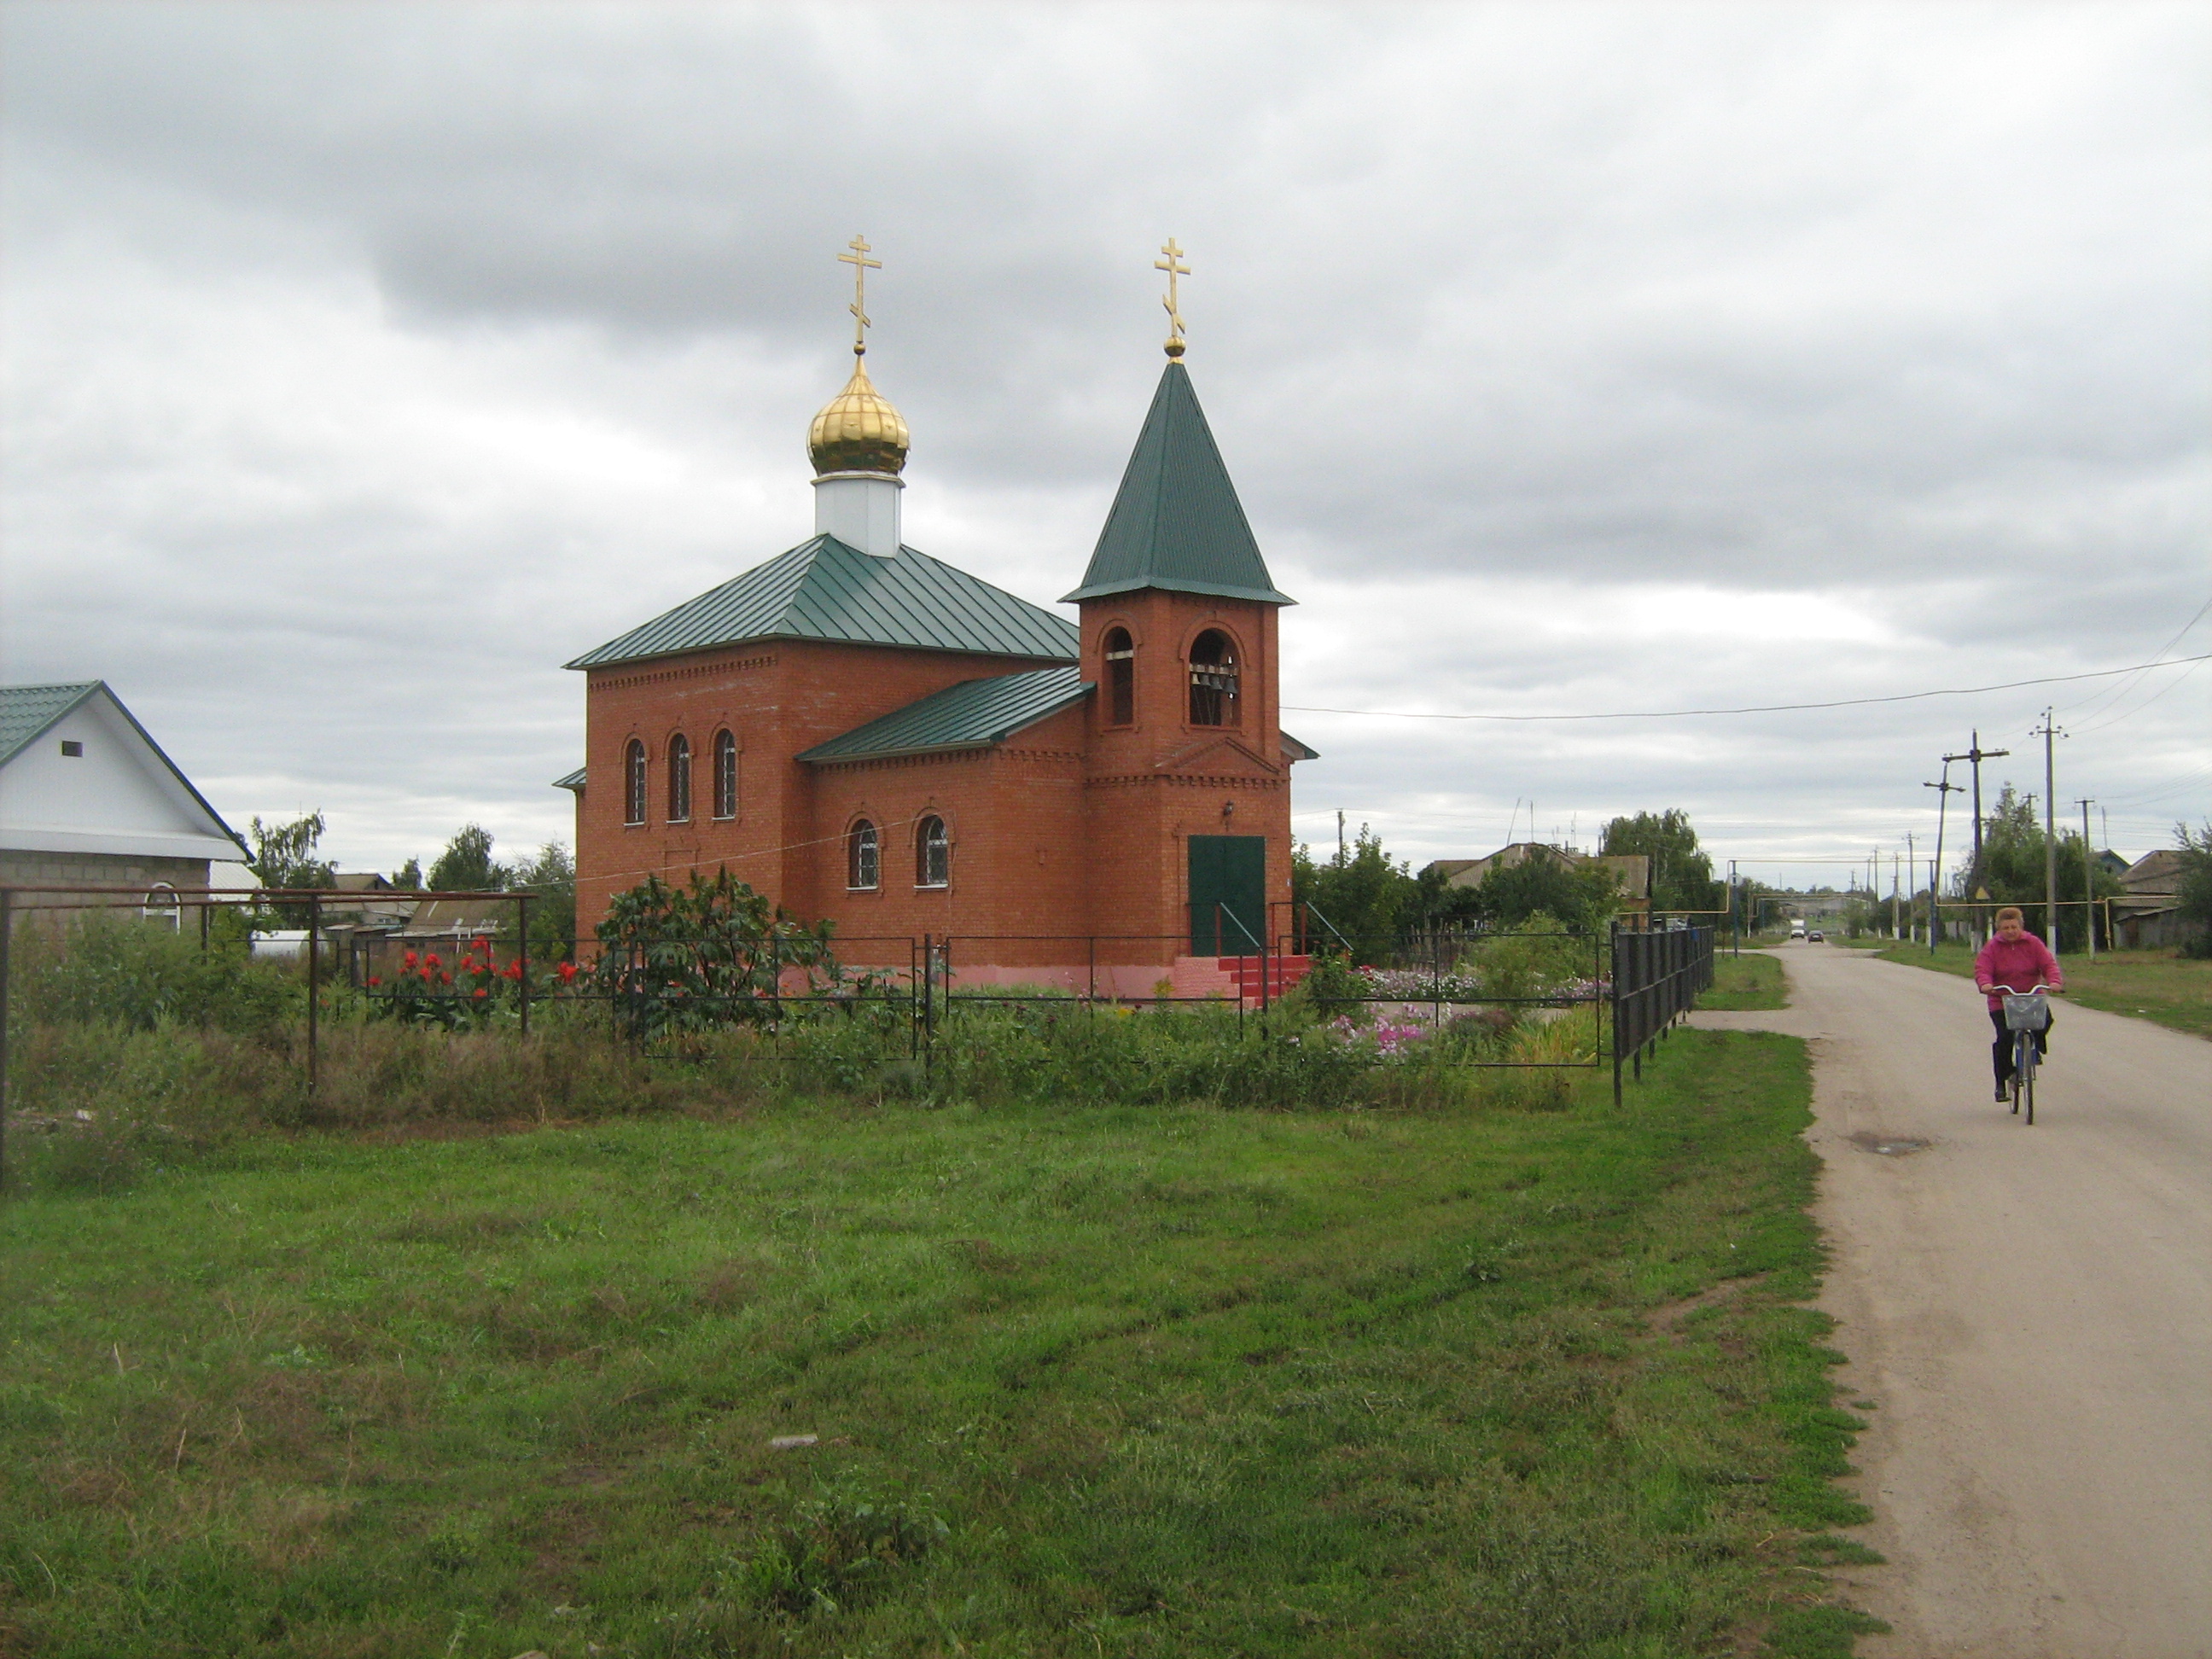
(2019, 1068)
(2027, 1075)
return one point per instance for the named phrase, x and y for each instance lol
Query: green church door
(1227, 895)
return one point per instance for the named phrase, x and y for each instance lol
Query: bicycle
(2025, 1014)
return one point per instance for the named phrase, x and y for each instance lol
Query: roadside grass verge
(1098, 1381)
(2167, 989)
(1746, 982)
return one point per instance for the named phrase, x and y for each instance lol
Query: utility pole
(2048, 732)
(1947, 789)
(1912, 869)
(1895, 920)
(2088, 881)
(1976, 754)
(1340, 834)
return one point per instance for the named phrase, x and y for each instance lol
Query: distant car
(1816, 937)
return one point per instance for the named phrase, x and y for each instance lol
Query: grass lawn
(1751, 982)
(1083, 1382)
(2155, 985)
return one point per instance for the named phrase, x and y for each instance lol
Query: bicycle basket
(2028, 1013)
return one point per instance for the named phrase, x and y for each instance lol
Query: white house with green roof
(86, 797)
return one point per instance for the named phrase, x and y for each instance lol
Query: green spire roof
(824, 590)
(1177, 522)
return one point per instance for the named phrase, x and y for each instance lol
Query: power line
(1761, 708)
(2112, 693)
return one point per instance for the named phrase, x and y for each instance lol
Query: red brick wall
(1072, 827)
(778, 697)
(1152, 784)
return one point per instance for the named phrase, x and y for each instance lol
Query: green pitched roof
(824, 590)
(1177, 522)
(973, 714)
(27, 710)
(573, 780)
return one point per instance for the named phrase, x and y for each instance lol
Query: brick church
(869, 735)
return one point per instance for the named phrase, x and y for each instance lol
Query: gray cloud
(387, 356)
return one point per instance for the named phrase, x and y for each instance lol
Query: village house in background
(872, 737)
(2147, 916)
(86, 798)
(1631, 871)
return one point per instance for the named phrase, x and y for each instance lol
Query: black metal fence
(1656, 978)
(1634, 983)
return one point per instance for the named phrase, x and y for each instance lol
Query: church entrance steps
(1281, 973)
(1237, 979)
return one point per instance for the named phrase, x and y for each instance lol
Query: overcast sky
(365, 363)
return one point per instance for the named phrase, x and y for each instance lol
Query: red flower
(445, 979)
(512, 970)
(432, 960)
(567, 970)
(481, 992)
(373, 980)
(409, 961)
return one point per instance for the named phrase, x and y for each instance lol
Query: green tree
(2013, 864)
(284, 853)
(2194, 895)
(1681, 875)
(1577, 895)
(550, 879)
(409, 875)
(466, 866)
(1361, 892)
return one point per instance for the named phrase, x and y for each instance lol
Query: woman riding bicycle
(2015, 960)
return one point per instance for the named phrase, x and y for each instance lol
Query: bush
(116, 969)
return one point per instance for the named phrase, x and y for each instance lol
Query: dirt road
(2028, 1309)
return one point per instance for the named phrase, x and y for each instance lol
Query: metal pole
(1912, 869)
(2047, 732)
(315, 986)
(2088, 882)
(522, 958)
(1615, 990)
(1944, 790)
(7, 934)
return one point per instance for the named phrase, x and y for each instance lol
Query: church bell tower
(1188, 784)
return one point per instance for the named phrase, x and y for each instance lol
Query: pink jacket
(2023, 964)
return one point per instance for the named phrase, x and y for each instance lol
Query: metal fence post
(522, 957)
(314, 989)
(1614, 990)
(7, 936)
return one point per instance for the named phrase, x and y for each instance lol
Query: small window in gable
(634, 783)
(1120, 677)
(725, 774)
(1212, 679)
(862, 853)
(679, 780)
(932, 853)
(72, 748)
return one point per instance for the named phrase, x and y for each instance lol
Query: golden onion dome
(858, 430)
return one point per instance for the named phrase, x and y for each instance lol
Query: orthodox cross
(858, 259)
(1174, 267)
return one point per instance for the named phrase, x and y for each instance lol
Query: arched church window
(862, 853)
(725, 774)
(1120, 677)
(932, 853)
(1212, 679)
(634, 783)
(679, 779)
